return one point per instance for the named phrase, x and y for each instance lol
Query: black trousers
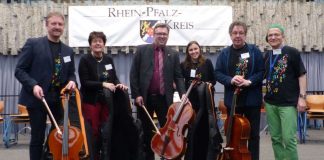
(37, 116)
(157, 104)
(253, 115)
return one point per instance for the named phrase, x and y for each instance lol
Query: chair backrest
(22, 110)
(1, 110)
(1, 106)
(222, 108)
(315, 103)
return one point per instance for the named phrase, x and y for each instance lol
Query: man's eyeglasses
(274, 35)
(161, 34)
(238, 33)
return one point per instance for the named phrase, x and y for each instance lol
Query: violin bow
(51, 115)
(156, 129)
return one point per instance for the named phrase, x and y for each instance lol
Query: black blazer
(142, 71)
(36, 67)
(91, 85)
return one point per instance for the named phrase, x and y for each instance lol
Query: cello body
(239, 137)
(75, 143)
(171, 144)
(237, 131)
(65, 146)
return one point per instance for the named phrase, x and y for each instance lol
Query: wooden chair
(222, 108)
(22, 110)
(22, 117)
(1, 110)
(12, 126)
(315, 103)
(222, 114)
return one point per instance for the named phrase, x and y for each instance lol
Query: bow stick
(51, 115)
(157, 130)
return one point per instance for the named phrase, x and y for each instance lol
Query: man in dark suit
(45, 67)
(155, 67)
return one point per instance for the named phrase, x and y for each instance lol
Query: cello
(170, 143)
(237, 130)
(65, 146)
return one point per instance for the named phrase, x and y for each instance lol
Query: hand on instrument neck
(184, 98)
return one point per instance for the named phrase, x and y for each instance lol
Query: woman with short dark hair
(97, 72)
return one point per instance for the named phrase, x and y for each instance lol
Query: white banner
(132, 25)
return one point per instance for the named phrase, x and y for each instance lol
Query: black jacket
(204, 139)
(35, 67)
(120, 135)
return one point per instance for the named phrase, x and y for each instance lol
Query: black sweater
(92, 74)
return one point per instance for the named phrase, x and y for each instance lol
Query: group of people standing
(47, 65)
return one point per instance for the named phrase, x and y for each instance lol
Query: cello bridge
(171, 129)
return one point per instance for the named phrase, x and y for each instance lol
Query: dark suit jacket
(142, 71)
(36, 67)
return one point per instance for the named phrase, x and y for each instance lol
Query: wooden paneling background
(303, 20)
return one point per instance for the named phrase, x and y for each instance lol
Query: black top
(55, 48)
(206, 70)
(239, 66)
(282, 82)
(92, 74)
(236, 60)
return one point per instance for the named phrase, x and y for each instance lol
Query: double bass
(65, 142)
(237, 130)
(170, 142)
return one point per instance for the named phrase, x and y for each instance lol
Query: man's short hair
(162, 25)
(54, 13)
(237, 23)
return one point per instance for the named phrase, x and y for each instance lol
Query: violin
(170, 142)
(237, 130)
(65, 144)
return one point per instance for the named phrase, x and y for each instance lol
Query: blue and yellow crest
(146, 30)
